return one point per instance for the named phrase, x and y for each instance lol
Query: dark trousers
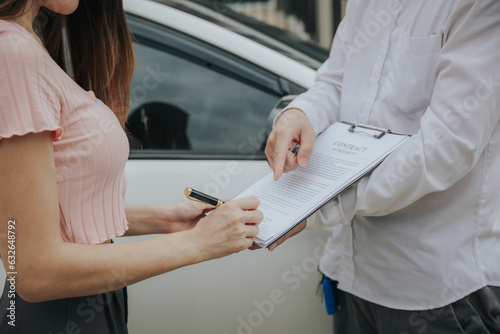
(478, 313)
(104, 313)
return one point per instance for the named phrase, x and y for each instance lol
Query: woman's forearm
(67, 269)
(146, 219)
(72, 270)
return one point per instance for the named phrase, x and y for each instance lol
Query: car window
(194, 100)
(277, 39)
(189, 106)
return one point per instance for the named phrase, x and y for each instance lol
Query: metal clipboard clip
(380, 134)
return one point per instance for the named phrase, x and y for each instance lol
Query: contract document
(343, 153)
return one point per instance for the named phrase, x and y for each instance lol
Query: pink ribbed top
(90, 147)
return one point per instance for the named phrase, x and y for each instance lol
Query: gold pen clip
(188, 191)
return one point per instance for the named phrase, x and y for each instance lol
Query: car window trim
(190, 155)
(150, 33)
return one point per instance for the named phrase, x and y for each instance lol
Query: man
(416, 248)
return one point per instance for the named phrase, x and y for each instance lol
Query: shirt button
(391, 26)
(376, 75)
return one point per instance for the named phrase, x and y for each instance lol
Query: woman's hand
(228, 229)
(185, 215)
(164, 219)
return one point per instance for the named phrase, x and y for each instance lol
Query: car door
(198, 118)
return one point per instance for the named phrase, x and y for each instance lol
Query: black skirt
(104, 313)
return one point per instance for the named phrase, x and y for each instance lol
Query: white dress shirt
(422, 231)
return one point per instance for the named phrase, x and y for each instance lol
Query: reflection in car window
(178, 104)
(277, 39)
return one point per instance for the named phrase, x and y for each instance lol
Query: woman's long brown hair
(99, 43)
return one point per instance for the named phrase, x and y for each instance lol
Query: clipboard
(380, 131)
(343, 154)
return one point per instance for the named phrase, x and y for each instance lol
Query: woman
(62, 158)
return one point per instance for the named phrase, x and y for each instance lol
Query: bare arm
(49, 268)
(162, 219)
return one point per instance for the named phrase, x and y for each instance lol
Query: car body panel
(250, 292)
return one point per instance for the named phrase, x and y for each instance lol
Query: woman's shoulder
(27, 93)
(18, 46)
(24, 61)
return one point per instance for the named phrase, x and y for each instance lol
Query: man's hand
(297, 229)
(291, 128)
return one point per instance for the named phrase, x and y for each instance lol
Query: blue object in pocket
(330, 295)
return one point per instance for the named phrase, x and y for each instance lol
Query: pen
(295, 149)
(198, 196)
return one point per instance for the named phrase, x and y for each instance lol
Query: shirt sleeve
(29, 103)
(457, 126)
(321, 103)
